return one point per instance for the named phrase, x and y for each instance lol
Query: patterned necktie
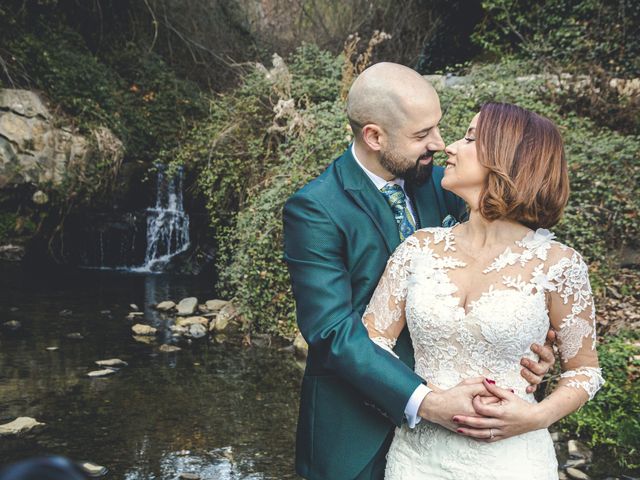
(398, 201)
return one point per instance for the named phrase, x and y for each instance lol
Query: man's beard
(399, 167)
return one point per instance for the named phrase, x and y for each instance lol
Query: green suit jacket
(339, 233)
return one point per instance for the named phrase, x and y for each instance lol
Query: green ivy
(612, 419)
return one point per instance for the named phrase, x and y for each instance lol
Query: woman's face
(464, 175)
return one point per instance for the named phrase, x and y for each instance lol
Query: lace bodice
(534, 283)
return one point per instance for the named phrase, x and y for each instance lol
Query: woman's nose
(450, 149)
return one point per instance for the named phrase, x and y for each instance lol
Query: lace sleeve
(384, 317)
(572, 314)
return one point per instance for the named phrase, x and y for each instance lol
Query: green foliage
(253, 265)
(260, 143)
(568, 32)
(611, 420)
(595, 42)
(7, 226)
(127, 89)
(14, 227)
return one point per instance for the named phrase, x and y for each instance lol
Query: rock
(19, 425)
(300, 346)
(219, 324)
(562, 475)
(188, 321)
(134, 307)
(227, 313)
(12, 325)
(166, 306)
(261, 340)
(575, 462)
(187, 306)
(178, 330)
(140, 329)
(169, 348)
(576, 474)
(220, 338)
(134, 315)
(189, 476)
(215, 305)
(65, 313)
(105, 312)
(75, 336)
(93, 469)
(578, 450)
(51, 349)
(101, 373)
(40, 198)
(11, 253)
(34, 149)
(555, 436)
(112, 362)
(144, 339)
(197, 330)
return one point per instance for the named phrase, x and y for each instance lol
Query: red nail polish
(460, 431)
(456, 419)
(492, 382)
(512, 390)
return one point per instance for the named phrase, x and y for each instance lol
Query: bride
(476, 295)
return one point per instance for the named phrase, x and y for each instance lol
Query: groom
(340, 230)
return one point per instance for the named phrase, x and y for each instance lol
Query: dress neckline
(534, 244)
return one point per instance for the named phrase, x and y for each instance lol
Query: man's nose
(436, 143)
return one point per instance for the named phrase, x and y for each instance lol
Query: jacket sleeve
(314, 251)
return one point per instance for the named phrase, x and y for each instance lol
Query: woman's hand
(511, 416)
(442, 406)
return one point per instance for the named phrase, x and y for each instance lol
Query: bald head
(390, 95)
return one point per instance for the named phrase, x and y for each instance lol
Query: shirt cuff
(413, 405)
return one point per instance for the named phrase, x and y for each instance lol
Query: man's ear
(372, 136)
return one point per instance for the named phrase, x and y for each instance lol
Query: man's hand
(440, 406)
(534, 372)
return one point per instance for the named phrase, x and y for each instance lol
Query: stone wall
(36, 149)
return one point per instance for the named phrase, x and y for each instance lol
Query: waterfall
(167, 223)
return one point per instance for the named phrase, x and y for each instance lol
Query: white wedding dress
(535, 283)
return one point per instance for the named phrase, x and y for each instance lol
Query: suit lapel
(369, 199)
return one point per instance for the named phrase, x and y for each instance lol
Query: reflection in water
(221, 411)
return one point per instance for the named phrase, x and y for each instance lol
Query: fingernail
(492, 382)
(512, 390)
(460, 431)
(456, 419)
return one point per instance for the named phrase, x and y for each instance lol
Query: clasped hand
(478, 408)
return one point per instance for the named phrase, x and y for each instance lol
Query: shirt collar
(378, 181)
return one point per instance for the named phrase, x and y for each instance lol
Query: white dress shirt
(411, 409)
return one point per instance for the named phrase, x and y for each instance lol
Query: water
(222, 411)
(167, 223)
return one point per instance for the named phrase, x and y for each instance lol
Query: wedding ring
(491, 433)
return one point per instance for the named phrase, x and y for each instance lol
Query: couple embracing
(422, 323)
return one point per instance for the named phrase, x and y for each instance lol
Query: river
(218, 410)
